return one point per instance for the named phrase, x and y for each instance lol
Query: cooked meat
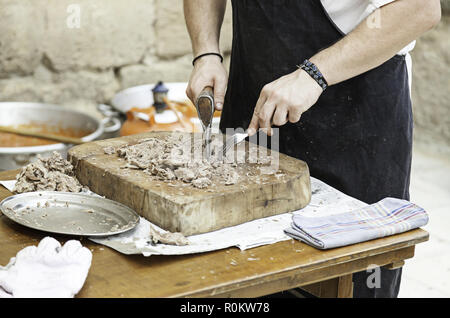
(47, 174)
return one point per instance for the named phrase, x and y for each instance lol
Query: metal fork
(233, 140)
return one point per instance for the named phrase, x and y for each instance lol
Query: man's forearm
(204, 19)
(374, 42)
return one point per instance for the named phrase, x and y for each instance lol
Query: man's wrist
(306, 79)
(207, 55)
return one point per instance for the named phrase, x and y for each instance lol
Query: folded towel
(47, 270)
(386, 217)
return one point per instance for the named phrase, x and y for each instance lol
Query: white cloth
(47, 270)
(347, 14)
(386, 217)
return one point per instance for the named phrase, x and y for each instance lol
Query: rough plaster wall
(118, 44)
(122, 43)
(431, 86)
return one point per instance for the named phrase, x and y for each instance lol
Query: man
(346, 110)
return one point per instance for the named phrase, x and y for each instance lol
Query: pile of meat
(175, 158)
(48, 174)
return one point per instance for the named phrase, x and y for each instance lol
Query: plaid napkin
(386, 217)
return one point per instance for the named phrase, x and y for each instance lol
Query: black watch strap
(314, 72)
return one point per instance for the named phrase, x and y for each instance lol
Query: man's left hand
(283, 100)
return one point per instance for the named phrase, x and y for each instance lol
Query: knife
(205, 111)
(232, 141)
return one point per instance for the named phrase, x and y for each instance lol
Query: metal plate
(69, 213)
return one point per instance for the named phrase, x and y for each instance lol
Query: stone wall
(81, 52)
(48, 54)
(431, 86)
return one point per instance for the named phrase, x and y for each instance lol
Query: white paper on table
(325, 200)
(8, 184)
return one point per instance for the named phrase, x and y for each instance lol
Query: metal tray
(69, 213)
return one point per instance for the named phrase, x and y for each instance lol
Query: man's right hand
(208, 71)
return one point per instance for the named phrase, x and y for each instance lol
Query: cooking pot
(22, 113)
(142, 97)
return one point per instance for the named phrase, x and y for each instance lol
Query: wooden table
(224, 273)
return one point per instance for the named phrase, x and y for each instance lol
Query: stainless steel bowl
(21, 113)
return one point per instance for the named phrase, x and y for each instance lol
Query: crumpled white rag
(47, 270)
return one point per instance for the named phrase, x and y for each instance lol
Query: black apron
(356, 138)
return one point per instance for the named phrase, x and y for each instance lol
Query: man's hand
(208, 71)
(283, 100)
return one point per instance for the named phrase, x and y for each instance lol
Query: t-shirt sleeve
(380, 3)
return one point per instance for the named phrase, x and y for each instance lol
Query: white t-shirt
(347, 14)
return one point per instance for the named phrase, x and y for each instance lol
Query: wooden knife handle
(208, 92)
(205, 105)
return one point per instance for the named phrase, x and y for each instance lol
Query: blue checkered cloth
(386, 217)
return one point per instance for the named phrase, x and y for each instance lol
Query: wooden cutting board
(178, 207)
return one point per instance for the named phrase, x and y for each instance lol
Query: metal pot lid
(69, 213)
